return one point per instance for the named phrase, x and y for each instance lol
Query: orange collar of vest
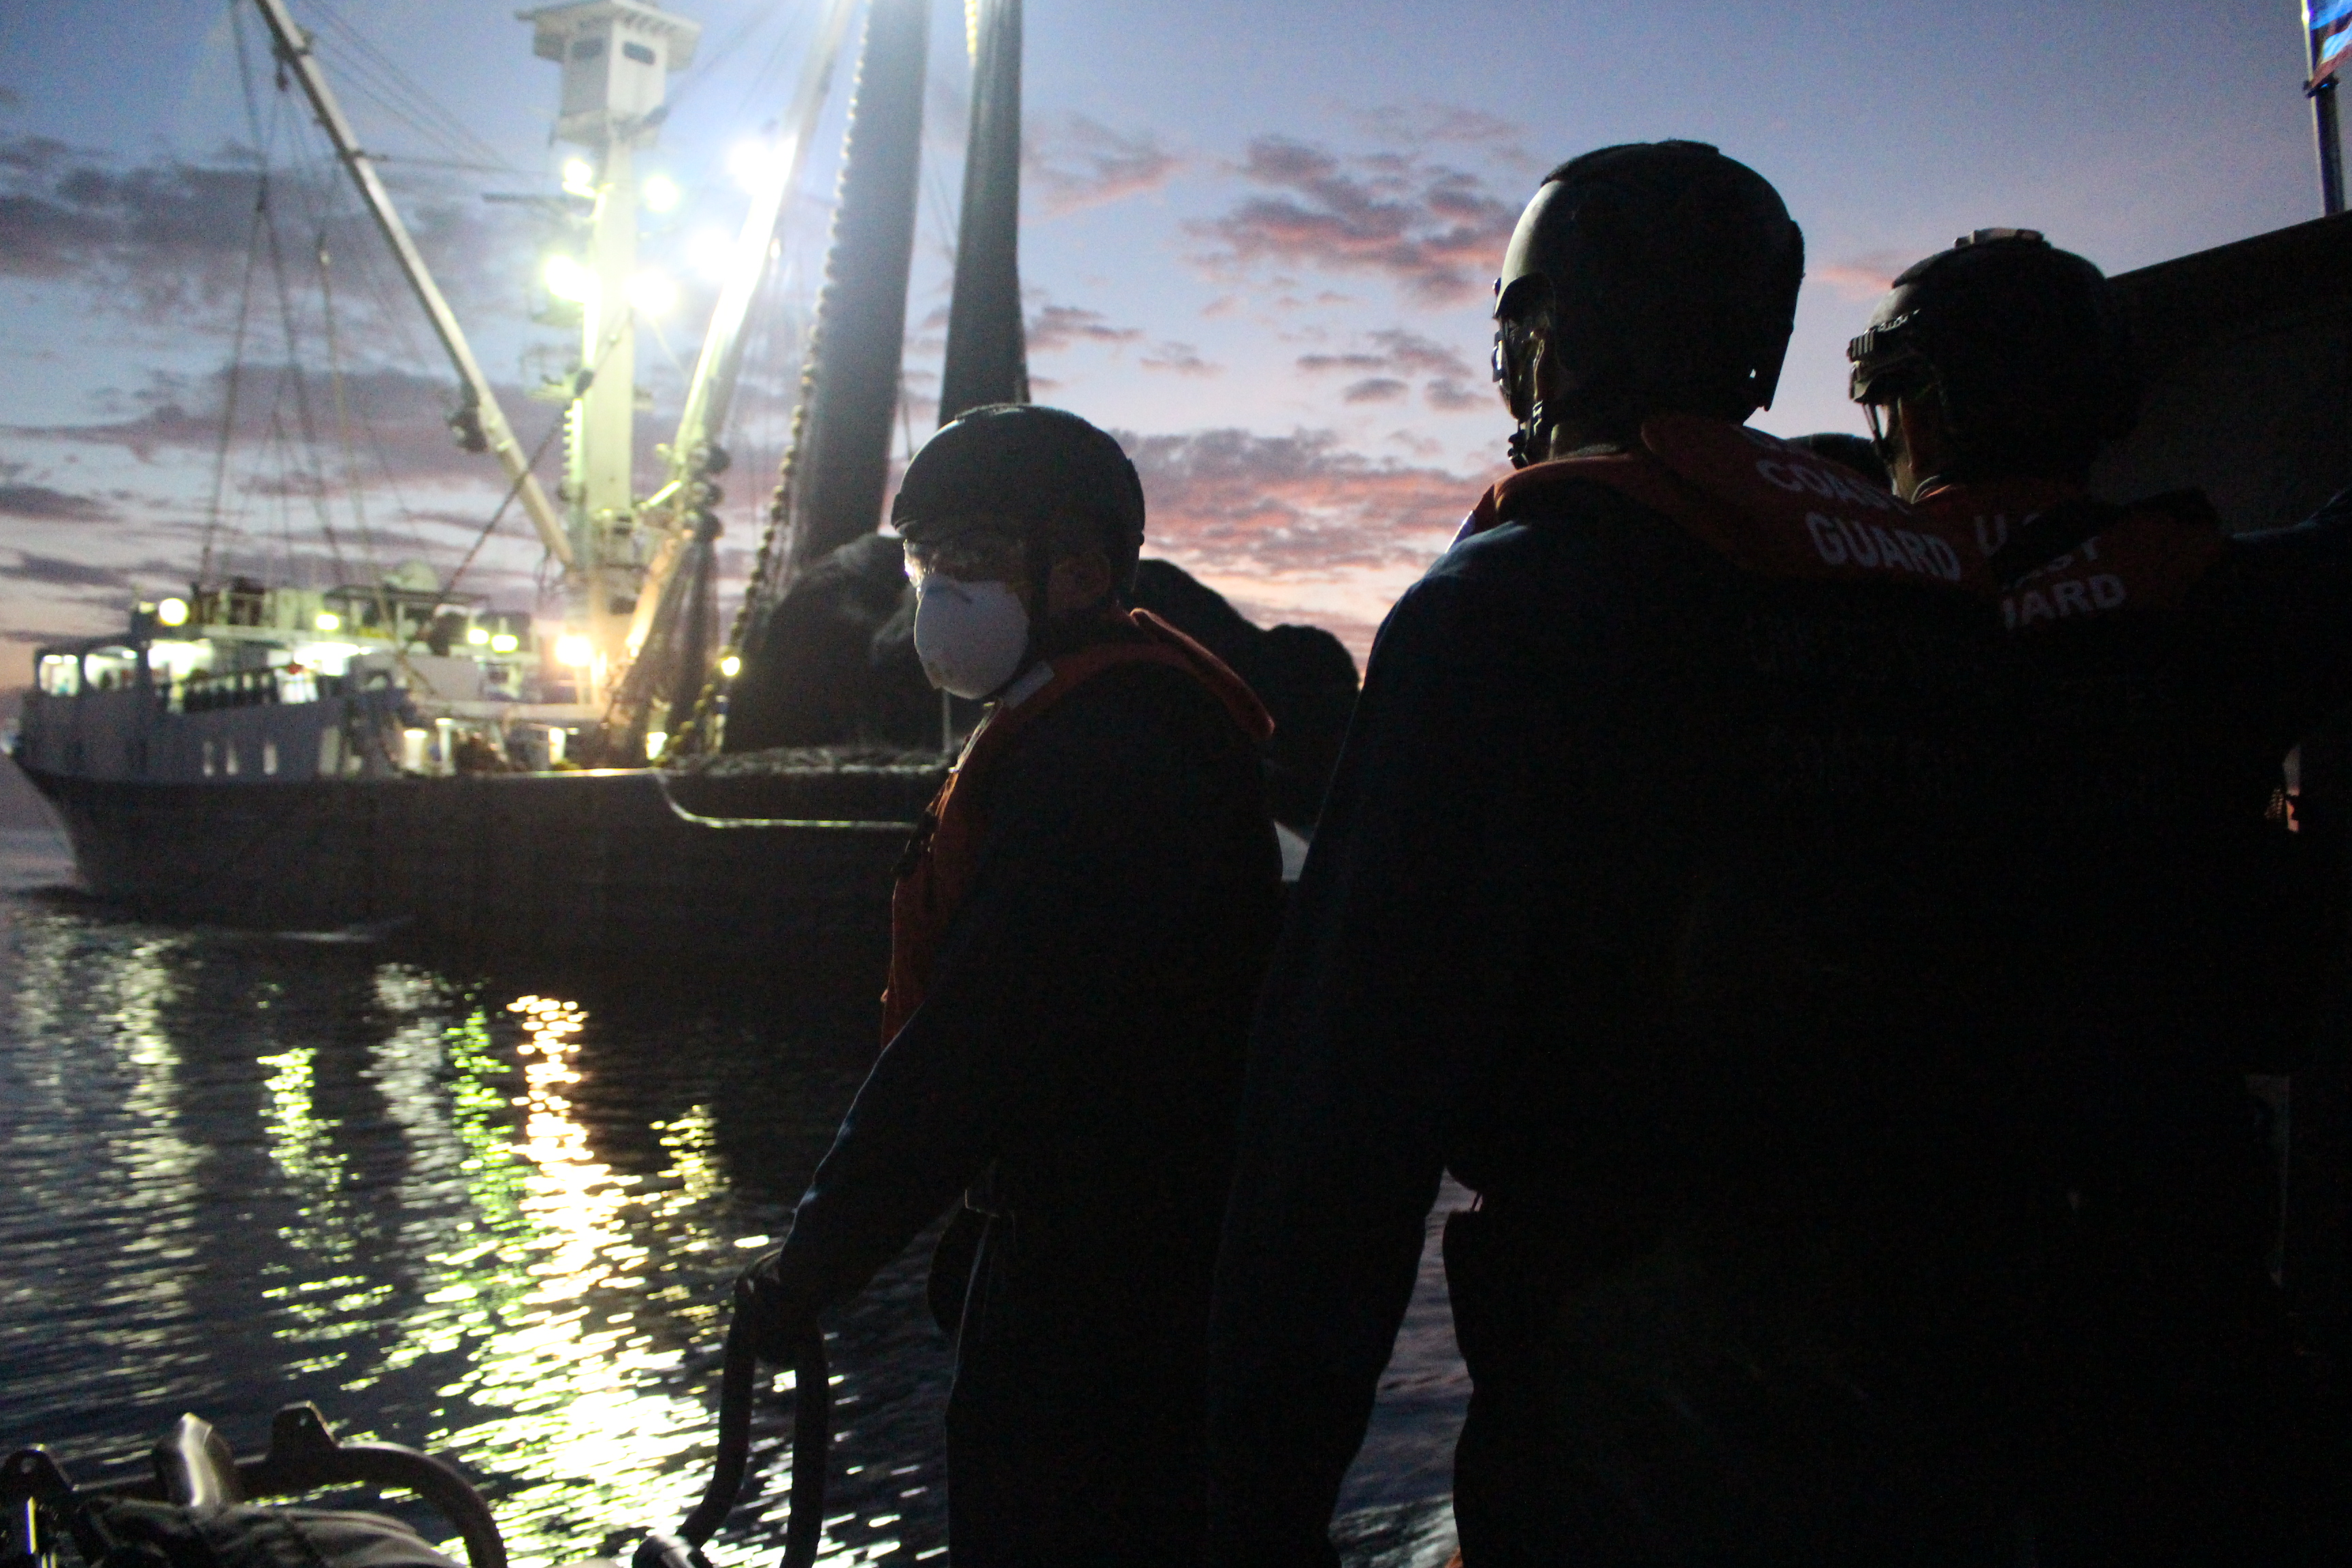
(945, 857)
(1768, 507)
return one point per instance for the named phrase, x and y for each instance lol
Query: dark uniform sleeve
(2282, 647)
(1097, 828)
(1393, 979)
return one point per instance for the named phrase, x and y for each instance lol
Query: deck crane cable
(292, 379)
(514, 489)
(233, 383)
(235, 379)
(377, 76)
(320, 190)
(335, 211)
(340, 390)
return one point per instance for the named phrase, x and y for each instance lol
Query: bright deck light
(710, 255)
(479, 635)
(730, 667)
(752, 164)
(505, 642)
(171, 612)
(328, 621)
(659, 192)
(655, 741)
(567, 279)
(579, 177)
(575, 650)
(653, 293)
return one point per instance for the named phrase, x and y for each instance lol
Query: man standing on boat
(1077, 936)
(1658, 897)
(2194, 930)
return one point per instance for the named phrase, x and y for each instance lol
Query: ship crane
(666, 648)
(479, 422)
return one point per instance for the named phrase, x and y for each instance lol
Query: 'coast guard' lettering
(1768, 507)
(2147, 556)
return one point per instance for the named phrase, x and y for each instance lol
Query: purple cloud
(1434, 231)
(1083, 163)
(1269, 506)
(1181, 359)
(1058, 327)
(40, 503)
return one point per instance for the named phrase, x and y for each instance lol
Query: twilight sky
(1258, 242)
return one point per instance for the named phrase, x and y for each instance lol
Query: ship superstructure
(248, 683)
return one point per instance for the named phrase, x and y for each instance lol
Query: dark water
(494, 1216)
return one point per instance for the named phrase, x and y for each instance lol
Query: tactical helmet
(1665, 276)
(2024, 345)
(1038, 467)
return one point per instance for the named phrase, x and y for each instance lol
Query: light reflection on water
(492, 1216)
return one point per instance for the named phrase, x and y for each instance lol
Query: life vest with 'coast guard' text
(2060, 555)
(1768, 507)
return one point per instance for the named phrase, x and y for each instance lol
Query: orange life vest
(1769, 508)
(2147, 556)
(944, 857)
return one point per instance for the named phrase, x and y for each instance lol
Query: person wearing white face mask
(1077, 936)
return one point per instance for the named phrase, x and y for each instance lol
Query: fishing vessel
(396, 755)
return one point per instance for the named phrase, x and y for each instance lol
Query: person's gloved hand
(775, 1305)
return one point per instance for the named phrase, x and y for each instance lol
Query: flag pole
(2321, 90)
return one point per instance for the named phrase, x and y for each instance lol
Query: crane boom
(293, 48)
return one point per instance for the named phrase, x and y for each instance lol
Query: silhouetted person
(1076, 941)
(1661, 896)
(2189, 933)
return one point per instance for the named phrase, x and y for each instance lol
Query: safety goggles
(983, 551)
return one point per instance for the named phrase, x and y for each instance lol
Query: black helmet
(2024, 344)
(1665, 276)
(1038, 467)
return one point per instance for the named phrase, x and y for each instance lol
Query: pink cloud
(1434, 231)
(1083, 163)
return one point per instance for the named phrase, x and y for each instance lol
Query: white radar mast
(617, 57)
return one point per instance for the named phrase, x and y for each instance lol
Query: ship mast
(479, 422)
(616, 56)
(834, 475)
(987, 355)
(668, 644)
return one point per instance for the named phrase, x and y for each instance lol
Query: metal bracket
(303, 1456)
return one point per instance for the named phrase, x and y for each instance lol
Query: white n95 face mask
(969, 636)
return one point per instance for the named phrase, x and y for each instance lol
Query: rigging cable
(233, 383)
(234, 380)
(293, 376)
(515, 488)
(342, 402)
(379, 78)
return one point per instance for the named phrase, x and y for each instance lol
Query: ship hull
(628, 863)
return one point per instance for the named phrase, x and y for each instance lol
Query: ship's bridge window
(639, 53)
(172, 660)
(325, 657)
(61, 674)
(110, 669)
